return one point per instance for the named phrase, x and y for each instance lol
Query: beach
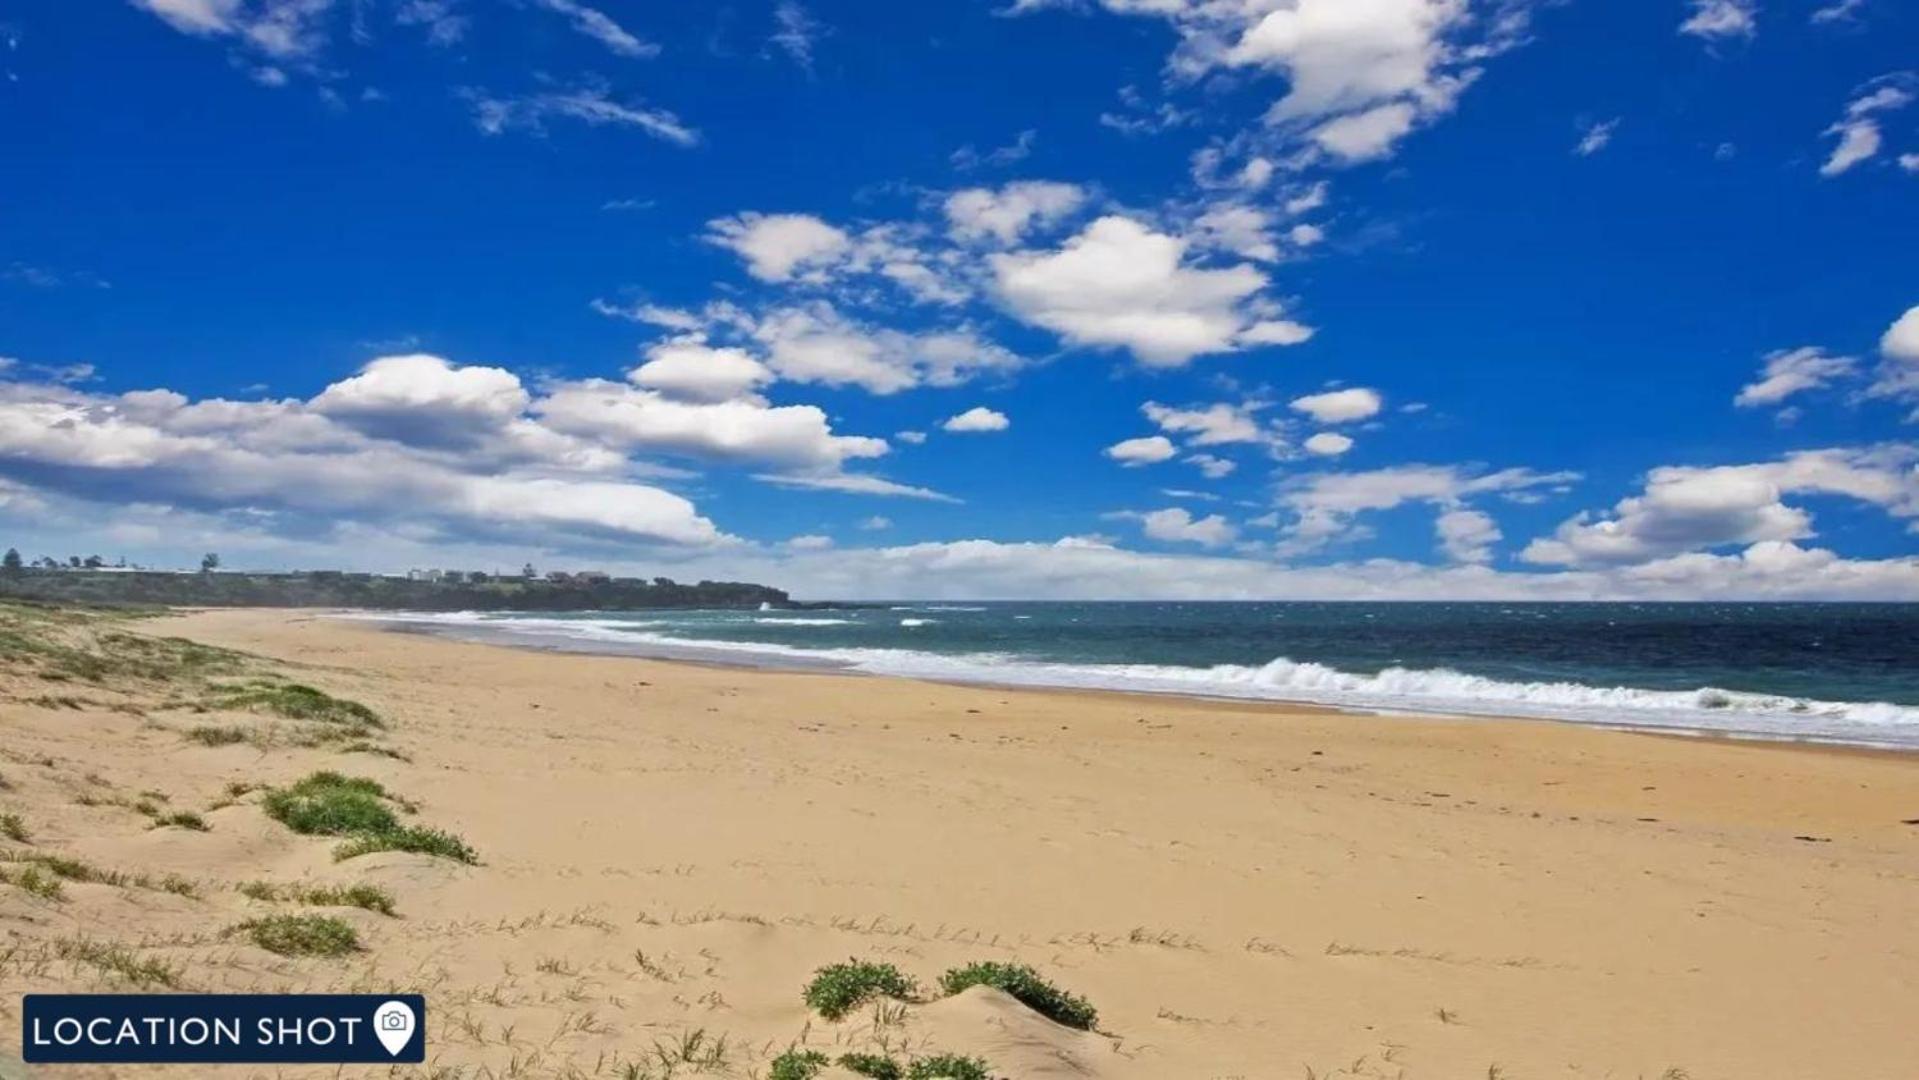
(1242, 889)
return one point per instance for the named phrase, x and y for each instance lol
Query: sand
(1241, 890)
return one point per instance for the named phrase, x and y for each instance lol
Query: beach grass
(302, 935)
(363, 896)
(1026, 985)
(838, 989)
(361, 811)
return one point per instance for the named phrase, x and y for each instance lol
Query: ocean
(1846, 673)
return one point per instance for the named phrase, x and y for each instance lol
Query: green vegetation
(949, 1067)
(332, 588)
(876, 1066)
(302, 935)
(14, 828)
(210, 735)
(180, 819)
(1025, 984)
(35, 881)
(365, 897)
(293, 701)
(329, 804)
(117, 961)
(797, 1065)
(838, 989)
(71, 869)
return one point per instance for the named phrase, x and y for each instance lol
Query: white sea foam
(802, 622)
(1428, 690)
(917, 622)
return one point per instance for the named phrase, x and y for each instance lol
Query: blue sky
(1462, 298)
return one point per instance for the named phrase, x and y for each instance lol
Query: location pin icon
(393, 1023)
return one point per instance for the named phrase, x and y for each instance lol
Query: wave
(802, 622)
(1394, 689)
(917, 622)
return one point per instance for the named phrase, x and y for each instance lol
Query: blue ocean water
(1835, 672)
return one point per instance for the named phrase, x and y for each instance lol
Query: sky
(1208, 299)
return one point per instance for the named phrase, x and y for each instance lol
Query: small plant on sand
(436, 842)
(329, 804)
(875, 1066)
(302, 935)
(365, 897)
(949, 1067)
(15, 829)
(295, 702)
(115, 960)
(1024, 984)
(838, 989)
(34, 881)
(180, 819)
(797, 1065)
(211, 735)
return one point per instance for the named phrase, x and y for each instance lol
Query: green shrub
(296, 702)
(35, 881)
(876, 1066)
(210, 735)
(1026, 985)
(328, 804)
(14, 828)
(302, 935)
(365, 897)
(838, 989)
(420, 841)
(182, 819)
(797, 1065)
(949, 1067)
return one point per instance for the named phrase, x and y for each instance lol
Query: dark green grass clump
(949, 1067)
(875, 1066)
(365, 897)
(34, 881)
(329, 804)
(1024, 984)
(302, 935)
(797, 1065)
(361, 811)
(838, 989)
(14, 828)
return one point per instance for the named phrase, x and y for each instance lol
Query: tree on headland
(209, 563)
(94, 562)
(12, 564)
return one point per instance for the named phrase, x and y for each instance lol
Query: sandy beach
(1241, 890)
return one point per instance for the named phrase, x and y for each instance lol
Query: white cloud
(1328, 444)
(876, 523)
(195, 16)
(1175, 525)
(1324, 505)
(776, 246)
(421, 399)
(816, 344)
(599, 26)
(978, 419)
(1212, 425)
(912, 438)
(1120, 284)
(1898, 374)
(1837, 12)
(1149, 450)
(966, 158)
(854, 484)
(810, 542)
(1792, 371)
(1686, 509)
(1717, 19)
(1467, 536)
(1596, 137)
(1901, 339)
(591, 104)
(1340, 406)
(1005, 215)
(632, 418)
(796, 32)
(1211, 466)
(1246, 231)
(696, 371)
(1860, 137)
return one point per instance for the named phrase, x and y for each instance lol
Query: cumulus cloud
(1005, 214)
(697, 371)
(1121, 284)
(1467, 536)
(1149, 450)
(1175, 525)
(1324, 506)
(817, 344)
(1216, 424)
(776, 246)
(633, 418)
(303, 465)
(1211, 466)
(1328, 444)
(1793, 371)
(978, 419)
(1689, 509)
(1340, 406)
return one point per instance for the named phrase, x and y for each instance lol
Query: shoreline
(747, 659)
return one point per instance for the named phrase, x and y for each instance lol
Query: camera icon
(393, 1021)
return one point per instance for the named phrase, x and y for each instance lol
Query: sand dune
(668, 852)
